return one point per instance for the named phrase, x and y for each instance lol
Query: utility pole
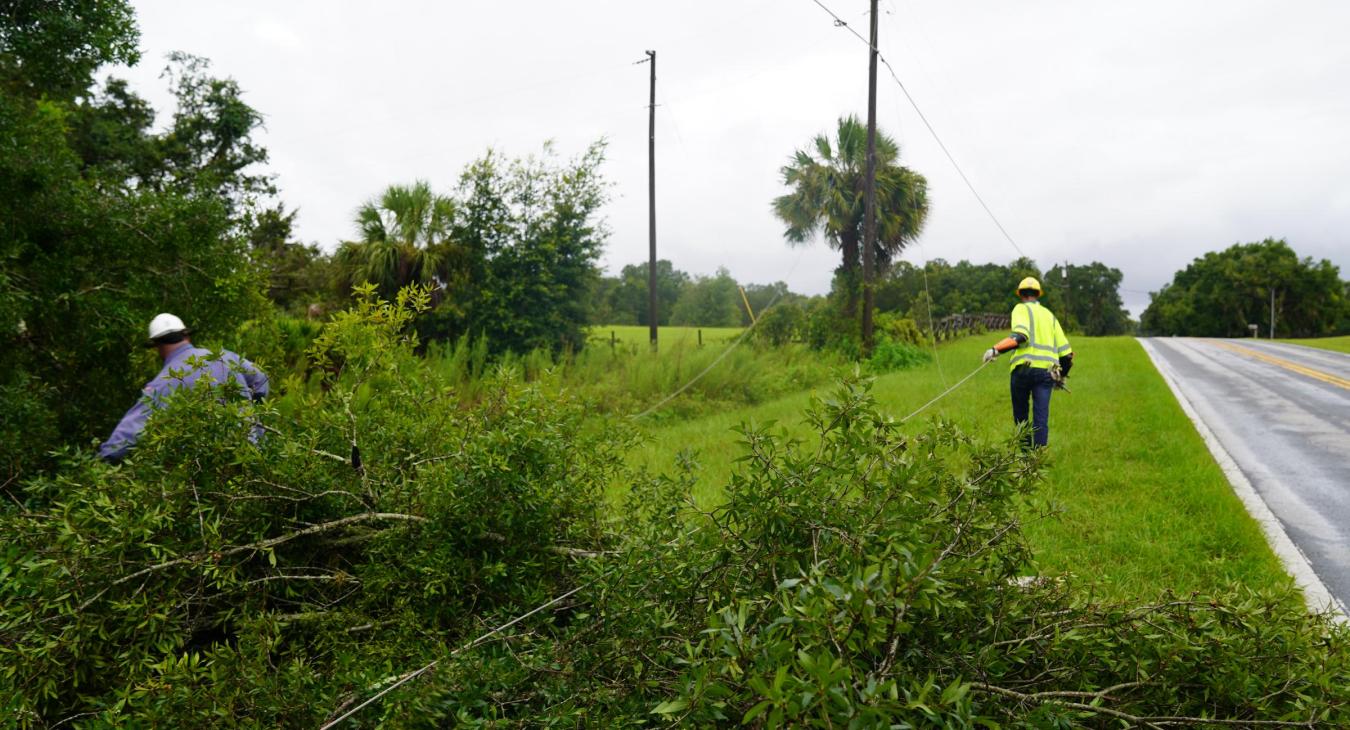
(1272, 313)
(1068, 306)
(870, 189)
(651, 205)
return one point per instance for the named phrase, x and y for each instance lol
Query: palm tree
(827, 181)
(404, 239)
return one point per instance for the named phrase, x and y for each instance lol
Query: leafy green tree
(404, 238)
(826, 197)
(53, 47)
(1220, 293)
(1089, 302)
(1343, 327)
(709, 301)
(112, 130)
(764, 296)
(87, 252)
(298, 274)
(961, 288)
(531, 234)
(781, 324)
(1089, 298)
(208, 149)
(631, 296)
(603, 303)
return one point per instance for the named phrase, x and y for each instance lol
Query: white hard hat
(166, 324)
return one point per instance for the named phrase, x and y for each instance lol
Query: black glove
(1065, 364)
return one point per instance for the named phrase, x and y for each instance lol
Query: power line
(932, 331)
(841, 23)
(410, 676)
(722, 356)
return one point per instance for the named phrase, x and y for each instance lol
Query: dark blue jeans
(1034, 384)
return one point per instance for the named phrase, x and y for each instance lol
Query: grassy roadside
(1338, 344)
(1143, 506)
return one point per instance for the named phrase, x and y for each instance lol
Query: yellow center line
(1287, 365)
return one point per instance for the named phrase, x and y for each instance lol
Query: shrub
(889, 355)
(874, 579)
(867, 577)
(780, 324)
(827, 327)
(211, 579)
(899, 329)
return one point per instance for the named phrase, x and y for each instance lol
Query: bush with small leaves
(877, 578)
(781, 324)
(214, 578)
(387, 551)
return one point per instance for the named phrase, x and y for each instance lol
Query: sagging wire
(410, 676)
(483, 638)
(722, 356)
(932, 330)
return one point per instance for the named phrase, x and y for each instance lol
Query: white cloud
(277, 34)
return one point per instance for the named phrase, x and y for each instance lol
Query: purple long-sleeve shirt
(175, 374)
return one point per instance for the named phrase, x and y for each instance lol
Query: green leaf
(670, 707)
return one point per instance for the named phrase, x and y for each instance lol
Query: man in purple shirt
(170, 336)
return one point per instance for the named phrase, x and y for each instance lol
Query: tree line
(683, 299)
(1085, 297)
(1222, 293)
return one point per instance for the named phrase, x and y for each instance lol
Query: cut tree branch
(256, 546)
(1158, 720)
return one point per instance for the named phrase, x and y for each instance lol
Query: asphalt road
(1283, 414)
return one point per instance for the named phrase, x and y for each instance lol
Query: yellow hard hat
(1030, 283)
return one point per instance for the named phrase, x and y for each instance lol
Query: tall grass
(620, 374)
(627, 377)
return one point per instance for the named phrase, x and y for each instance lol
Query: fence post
(613, 339)
(700, 337)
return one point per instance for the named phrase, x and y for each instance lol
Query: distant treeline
(1223, 293)
(1086, 297)
(682, 298)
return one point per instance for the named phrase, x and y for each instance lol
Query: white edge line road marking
(1315, 592)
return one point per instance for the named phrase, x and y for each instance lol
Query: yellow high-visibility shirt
(1045, 343)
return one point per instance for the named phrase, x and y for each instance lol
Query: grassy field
(666, 336)
(1339, 344)
(1143, 507)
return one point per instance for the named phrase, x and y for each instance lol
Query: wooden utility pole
(1272, 313)
(651, 205)
(870, 191)
(1068, 305)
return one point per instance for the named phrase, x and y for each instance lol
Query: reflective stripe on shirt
(1051, 339)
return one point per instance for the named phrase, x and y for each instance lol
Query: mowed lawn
(1143, 508)
(1339, 344)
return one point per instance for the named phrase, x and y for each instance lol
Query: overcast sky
(1139, 134)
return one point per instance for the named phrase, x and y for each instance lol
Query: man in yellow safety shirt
(1041, 359)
